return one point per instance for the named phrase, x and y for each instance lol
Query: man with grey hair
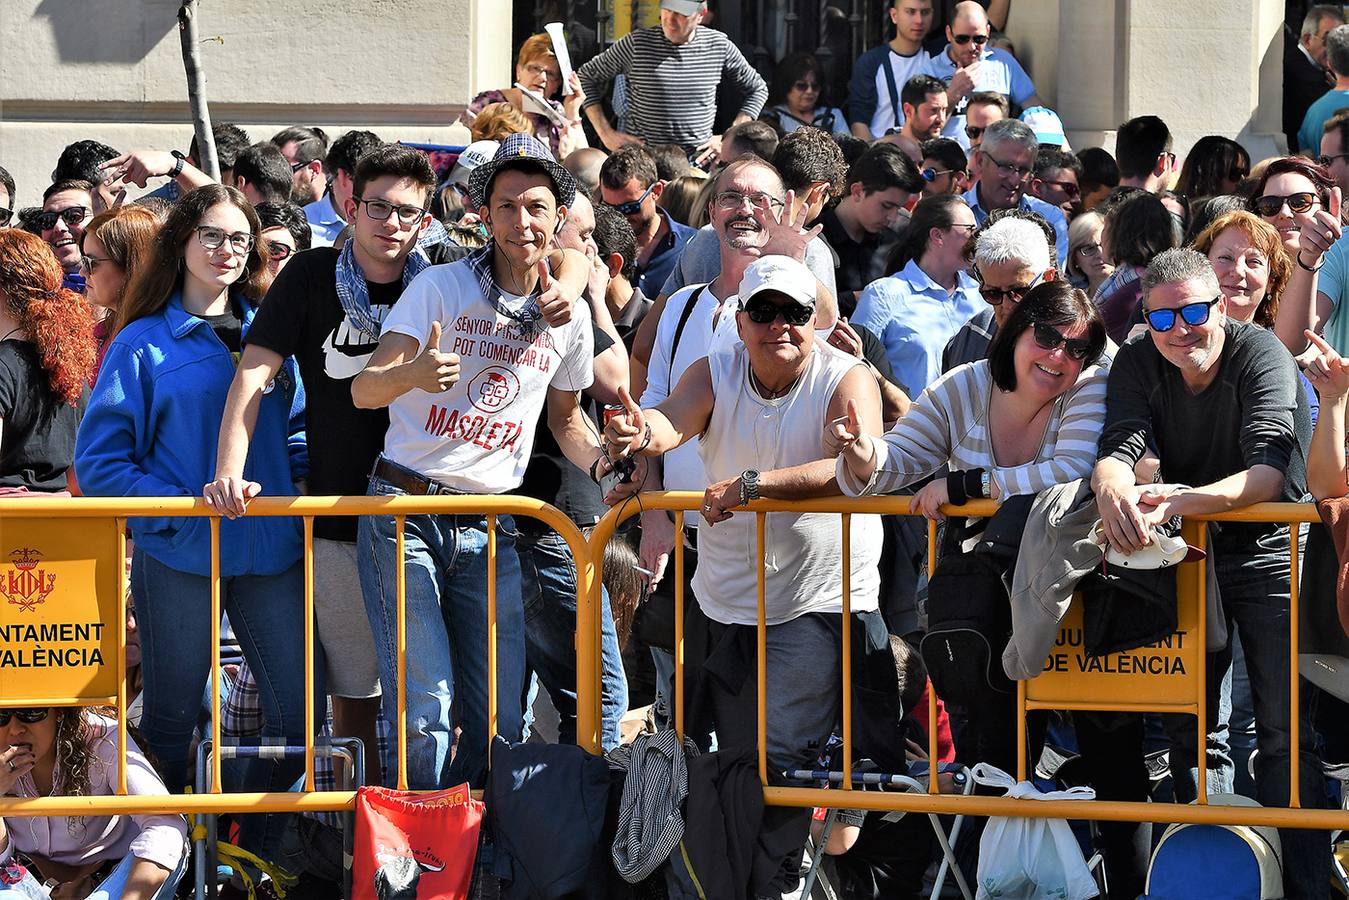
(1305, 76)
(1011, 256)
(1003, 164)
(1220, 403)
(1314, 122)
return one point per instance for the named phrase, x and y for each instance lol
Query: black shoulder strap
(679, 329)
(890, 85)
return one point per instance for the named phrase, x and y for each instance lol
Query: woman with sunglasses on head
(798, 98)
(113, 250)
(556, 123)
(151, 430)
(1215, 165)
(1087, 267)
(46, 360)
(1300, 199)
(72, 751)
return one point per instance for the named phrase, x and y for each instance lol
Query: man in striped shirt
(672, 72)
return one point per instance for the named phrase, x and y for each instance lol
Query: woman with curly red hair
(47, 355)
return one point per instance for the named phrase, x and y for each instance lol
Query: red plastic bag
(414, 845)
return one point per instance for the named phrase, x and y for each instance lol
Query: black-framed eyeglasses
(930, 175)
(1325, 159)
(380, 210)
(963, 39)
(71, 215)
(1069, 188)
(299, 164)
(279, 251)
(729, 200)
(968, 227)
(5, 214)
(762, 311)
(89, 264)
(26, 716)
(633, 207)
(974, 131)
(804, 86)
(1047, 337)
(1194, 315)
(995, 296)
(1270, 204)
(1008, 169)
(213, 238)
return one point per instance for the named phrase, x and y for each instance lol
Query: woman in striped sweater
(1024, 419)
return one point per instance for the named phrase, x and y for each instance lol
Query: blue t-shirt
(1314, 122)
(999, 73)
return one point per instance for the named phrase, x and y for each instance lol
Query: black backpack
(969, 609)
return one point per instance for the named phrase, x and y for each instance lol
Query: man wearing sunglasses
(1221, 403)
(968, 65)
(1003, 165)
(1055, 179)
(67, 207)
(749, 406)
(630, 184)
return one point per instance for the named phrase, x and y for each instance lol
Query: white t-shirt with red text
(477, 436)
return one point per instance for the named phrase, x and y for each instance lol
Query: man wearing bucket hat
(672, 72)
(752, 404)
(466, 362)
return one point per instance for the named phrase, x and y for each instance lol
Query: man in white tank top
(757, 404)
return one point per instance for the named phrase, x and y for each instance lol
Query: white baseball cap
(472, 156)
(1046, 124)
(684, 7)
(781, 274)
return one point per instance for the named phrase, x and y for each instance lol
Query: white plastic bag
(1031, 859)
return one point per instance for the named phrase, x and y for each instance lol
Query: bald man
(969, 65)
(584, 165)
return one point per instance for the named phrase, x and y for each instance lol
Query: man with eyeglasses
(1337, 58)
(1220, 403)
(1003, 164)
(981, 110)
(325, 309)
(945, 168)
(1305, 76)
(630, 184)
(67, 207)
(1055, 179)
(968, 65)
(304, 149)
(1335, 148)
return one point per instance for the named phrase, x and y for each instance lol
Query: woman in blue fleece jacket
(150, 431)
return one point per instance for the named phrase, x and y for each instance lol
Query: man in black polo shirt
(1221, 404)
(859, 228)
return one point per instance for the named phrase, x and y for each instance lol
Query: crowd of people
(922, 291)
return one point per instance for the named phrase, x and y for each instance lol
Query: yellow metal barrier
(1186, 696)
(1037, 694)
(117, 511)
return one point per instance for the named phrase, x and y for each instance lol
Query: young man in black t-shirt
(325, 309)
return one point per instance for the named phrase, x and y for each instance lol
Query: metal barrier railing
(1190, 592)
(588, 555)
(305, 508)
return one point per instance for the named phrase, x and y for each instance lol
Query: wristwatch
(749, 486)
(985, 484)
(179, 160)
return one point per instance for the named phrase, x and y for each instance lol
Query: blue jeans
(548, 580)
(1252, 570)
(445, 560)
(267, 613)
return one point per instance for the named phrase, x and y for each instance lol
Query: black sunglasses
(26, 716)
(979, 39)
(633, 207)
(995, 296)
(277, 250)
(765, 312)
(1194, 314)
(1047, 337)
(71, 215)
(1270, 204)
(973, 131)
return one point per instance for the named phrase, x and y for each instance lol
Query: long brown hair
(57, 321)
(162, 273)
(127, 233)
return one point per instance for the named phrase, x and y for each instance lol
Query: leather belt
(410, 481)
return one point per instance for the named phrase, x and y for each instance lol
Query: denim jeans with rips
(445, 561)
